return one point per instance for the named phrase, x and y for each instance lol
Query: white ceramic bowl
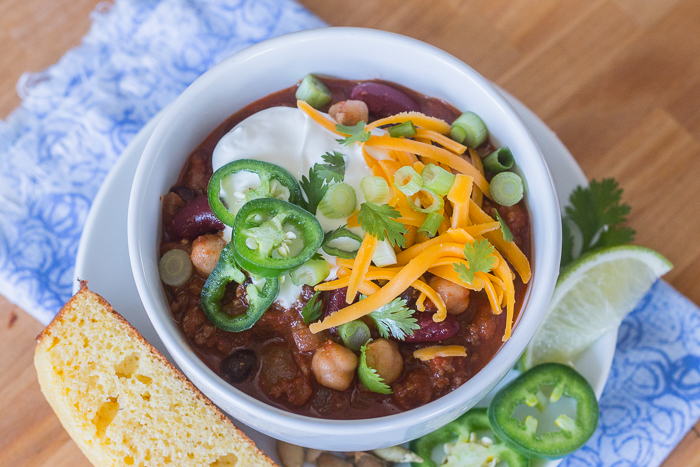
(352, 54)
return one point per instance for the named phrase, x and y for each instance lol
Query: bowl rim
(479, 384)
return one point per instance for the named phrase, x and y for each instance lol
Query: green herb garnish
(357, 133)
(595, 216)
(394, 319)
(480, 257)
(320, 176)
(379, 221)
(312, 310)
(369, 376)
(505, 230)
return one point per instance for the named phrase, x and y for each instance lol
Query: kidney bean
(383, 100)
(430, 331)
(195, 219)
(334, 301)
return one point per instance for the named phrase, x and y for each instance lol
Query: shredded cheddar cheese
(318, 117)
(442, 140)
(361, 265)
(428, 353)
(418, 119)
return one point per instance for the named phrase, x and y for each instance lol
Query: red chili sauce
(280, 346)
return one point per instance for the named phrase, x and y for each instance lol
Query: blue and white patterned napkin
(79, 115)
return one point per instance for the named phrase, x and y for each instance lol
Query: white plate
(103, 257)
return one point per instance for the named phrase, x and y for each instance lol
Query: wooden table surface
(617, 80)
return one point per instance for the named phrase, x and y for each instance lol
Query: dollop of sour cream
(289, 138)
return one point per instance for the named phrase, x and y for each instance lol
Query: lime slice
(592, 296)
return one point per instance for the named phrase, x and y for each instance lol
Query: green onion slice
(354, 334)
(499, 161)
(384, 254)
(405, 129)
(469, 129)
(339, 201)
(437, 202)
(314, 92)
(408, 181)
(175, 267)
(337, 234)
(437, 179)
(311, 272)
(431, 224)
(506, 188)
(374, 188)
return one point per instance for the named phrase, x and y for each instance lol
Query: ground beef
(413, 390)
(448, 373)
(280, 376)
(197, 173)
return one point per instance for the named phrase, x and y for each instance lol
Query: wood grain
(618, 80)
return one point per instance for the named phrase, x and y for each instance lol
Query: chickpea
(349, 112)
(334, 366)
(206, 250)
(455, 296)
(384, 356)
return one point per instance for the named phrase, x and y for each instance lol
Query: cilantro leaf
(312, 310)
(334, 168)
(480, 257)
(320, 176)
(505, 230)
(316, 257)
(597, 214)
(395, 319)
(369, 376)
(357, 133)
(379, 221)
(567, 242)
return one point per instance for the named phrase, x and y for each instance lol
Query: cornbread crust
(110, 393)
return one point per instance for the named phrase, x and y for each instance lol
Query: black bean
(239, 366)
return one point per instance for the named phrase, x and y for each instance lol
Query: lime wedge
(592, 296)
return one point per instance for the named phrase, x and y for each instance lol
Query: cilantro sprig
(379, 220)
(505, 230)
(394, 319)
(320, 177)
(595, 218)
(357, 133)
(313, 308)
(480, 257)
(369, 376)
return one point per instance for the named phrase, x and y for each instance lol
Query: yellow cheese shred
(396, 285)
(459, 197)
(428, 353)
(480, 229)
(318, 117)
(442, 140)
(377, 274)
(418, 119)
(477, 196)
(361, 265)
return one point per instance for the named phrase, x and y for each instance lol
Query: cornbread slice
(122, 402)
